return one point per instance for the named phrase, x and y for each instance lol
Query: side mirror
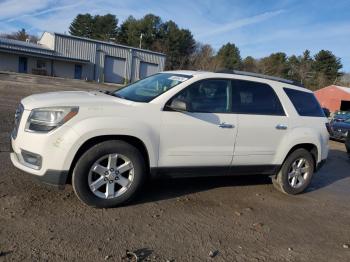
(178, 105)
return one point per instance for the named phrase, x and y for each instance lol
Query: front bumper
(341, 136)
(54, 150)
(52, 177)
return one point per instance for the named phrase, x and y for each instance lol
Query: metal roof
(32, 49)
(22, 43)
(345, 89)
(24, 46)
(109, 43)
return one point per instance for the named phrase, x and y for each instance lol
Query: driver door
(204, 135)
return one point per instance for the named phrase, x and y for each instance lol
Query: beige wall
(48, 40)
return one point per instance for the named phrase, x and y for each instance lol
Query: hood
(70, 98)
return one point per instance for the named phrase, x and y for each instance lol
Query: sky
(257, 27)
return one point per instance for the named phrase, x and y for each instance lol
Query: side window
(255, 98)
(207, 96)
(305, 103)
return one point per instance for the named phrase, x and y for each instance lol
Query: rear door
(204, 136)
(22, 64)
(78, 70)
(262, 123)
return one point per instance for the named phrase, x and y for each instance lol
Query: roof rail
(274, 78)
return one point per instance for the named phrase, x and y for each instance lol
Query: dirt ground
(202, 219)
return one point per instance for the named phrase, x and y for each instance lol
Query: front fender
(102, 126)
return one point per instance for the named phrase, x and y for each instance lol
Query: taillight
(329, 128)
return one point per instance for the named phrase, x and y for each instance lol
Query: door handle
(281, 127)
(225, 125)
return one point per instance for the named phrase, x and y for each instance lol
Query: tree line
(184, 52)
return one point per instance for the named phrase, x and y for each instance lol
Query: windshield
(149, 88)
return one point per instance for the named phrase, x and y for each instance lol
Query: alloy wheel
(111, 176)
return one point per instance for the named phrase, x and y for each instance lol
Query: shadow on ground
(336, 168)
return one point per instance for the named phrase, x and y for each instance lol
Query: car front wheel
(109, 174)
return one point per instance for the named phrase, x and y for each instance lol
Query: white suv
(177, 123)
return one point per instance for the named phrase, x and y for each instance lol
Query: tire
(99, 182)
(283, 181)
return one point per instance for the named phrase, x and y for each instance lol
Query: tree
(203, 58)
(229, 57)
(305, 69)
(178, 44)
(249, 64)
(82, 25)
(344, 80)
(274, 65)
(327, 66)
(149, 26)
(101, 27)
(105, 27)
(22, 35)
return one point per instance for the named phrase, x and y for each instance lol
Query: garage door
(147, 69)
(114, 70)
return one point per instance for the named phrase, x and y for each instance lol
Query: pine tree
(229, 57)
(82, 25)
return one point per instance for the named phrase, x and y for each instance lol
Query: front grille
(18, 117)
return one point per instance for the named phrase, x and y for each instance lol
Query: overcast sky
(257, 27)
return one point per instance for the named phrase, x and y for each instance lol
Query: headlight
(49, 118)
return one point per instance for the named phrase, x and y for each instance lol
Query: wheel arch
(138, 143)
(310, 147)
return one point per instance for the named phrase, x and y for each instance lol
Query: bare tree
(21, 35)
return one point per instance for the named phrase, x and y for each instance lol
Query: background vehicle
(341, 116)
(340, 130)
(179, 123)
(347, 143)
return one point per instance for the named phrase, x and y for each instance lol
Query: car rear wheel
(296, 172)
(109, 174)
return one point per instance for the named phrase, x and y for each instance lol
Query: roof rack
(274, 78)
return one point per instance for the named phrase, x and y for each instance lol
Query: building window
(40, 64)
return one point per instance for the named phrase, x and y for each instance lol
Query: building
(68, 56)
(334, 97)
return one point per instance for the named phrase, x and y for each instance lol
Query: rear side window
(255, 98)
(305, 103)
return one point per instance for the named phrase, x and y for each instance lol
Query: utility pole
(141, 36)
